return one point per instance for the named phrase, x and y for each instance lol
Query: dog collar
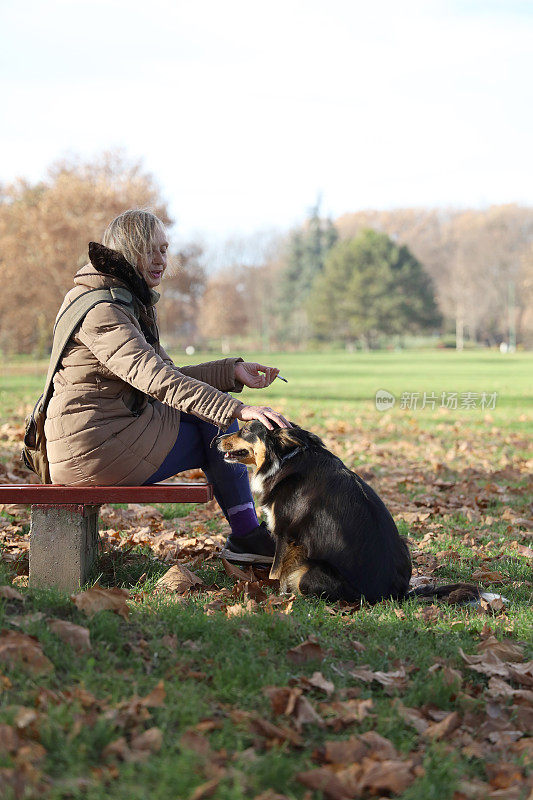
(291, 454)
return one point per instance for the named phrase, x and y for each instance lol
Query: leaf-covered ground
(178, 676)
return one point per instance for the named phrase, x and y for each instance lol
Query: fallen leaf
(305, 714)
(345, 751)
(412, 716)
(150, 741)
(499, 688)
(206, 789)
(505, 650)
(444, 728)
(236, 572)
(318, 681)
(397, 679)
(310, 650)
(522, 673)
(487, 575)
(9, 593)
(492, 605)
(20, 650)
(195, 741)
(154, 698)
(179, 579)
(98, 599)
(326, 781)
(386, 776)
(9, 739)
(75, 635)
(236, 610)
(342, 713)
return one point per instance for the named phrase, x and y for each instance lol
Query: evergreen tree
(371, 286)
(306, 254)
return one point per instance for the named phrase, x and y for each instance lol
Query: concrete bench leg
(63, 545)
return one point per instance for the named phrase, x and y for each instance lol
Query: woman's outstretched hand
(253, 375)
(264, 414)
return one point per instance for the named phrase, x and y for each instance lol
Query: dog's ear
(287, 438)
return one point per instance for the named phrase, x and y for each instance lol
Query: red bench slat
(56, 494)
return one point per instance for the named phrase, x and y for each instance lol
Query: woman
(123, 414)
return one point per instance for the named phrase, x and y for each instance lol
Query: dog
(335, 538)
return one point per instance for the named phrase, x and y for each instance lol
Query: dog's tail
(452, 593)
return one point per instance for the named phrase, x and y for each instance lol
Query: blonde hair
(132, 234)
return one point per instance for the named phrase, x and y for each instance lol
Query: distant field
(341, 383)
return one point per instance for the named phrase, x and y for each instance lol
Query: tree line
(363, 279)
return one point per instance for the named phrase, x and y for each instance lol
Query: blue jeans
(193, 449)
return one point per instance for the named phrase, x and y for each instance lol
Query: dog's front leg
(279, 557)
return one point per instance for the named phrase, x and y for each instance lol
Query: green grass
(222, 663)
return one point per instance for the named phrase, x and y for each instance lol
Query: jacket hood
(107, 268)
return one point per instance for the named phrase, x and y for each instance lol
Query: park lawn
(455, 481)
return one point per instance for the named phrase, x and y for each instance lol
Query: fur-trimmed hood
(108, 267)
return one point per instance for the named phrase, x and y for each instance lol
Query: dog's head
(255, 445)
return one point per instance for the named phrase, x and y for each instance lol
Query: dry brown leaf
(98, 599)
(380, 747)
(318, 681)
(522, 673)
(326, 781)
(30, 752)
(9, 739)
(386, 776)
(179, 579)
(505, 650)
(487, 663)
(274, 733)
(444, 728)
(412, 716)
(305, 714)
(493, 606)
(75, 635)
(449, 674)
(282, 698)
(206, 789)
(154, 698)
(397, 679)
(487, 576)
(195, 741)
(310, 650)
(236, 572)
(9, 593)
(499, 688)
(150, 741)
(342, 713)
(236, 610)
(345, 751)
(20, 650)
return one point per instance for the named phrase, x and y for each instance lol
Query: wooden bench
(64, 523)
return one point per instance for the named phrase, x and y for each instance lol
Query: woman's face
(155, 263)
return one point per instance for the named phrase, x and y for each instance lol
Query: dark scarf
(112, 263)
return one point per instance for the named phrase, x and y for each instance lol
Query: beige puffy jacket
(114, 414)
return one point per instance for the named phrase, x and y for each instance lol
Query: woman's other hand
(253, 375)
(264, 414)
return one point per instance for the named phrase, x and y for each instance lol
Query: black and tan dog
(334, 536)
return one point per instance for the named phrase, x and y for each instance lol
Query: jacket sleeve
(112, 335)
(220, 374)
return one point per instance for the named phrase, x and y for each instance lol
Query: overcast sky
(245, 110)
